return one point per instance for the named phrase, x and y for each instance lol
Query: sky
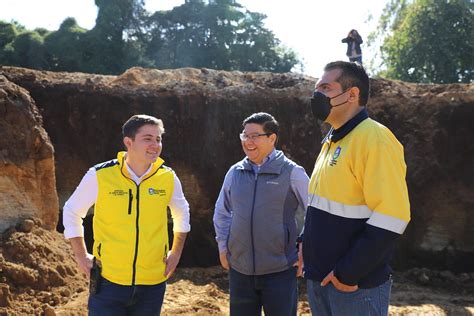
(313, 29)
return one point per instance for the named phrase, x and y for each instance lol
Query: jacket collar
(121, 160)
(335, 135)
(272, 166)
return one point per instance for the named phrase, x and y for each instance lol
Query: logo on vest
(336, 155)
(118, 192)
(152, 191)
(272, 182)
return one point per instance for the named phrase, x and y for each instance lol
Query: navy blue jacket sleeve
(373, 245)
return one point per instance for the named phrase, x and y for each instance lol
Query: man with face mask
(358, 200)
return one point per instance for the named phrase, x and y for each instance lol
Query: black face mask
(321, 104)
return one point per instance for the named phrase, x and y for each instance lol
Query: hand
(299, 263)
(85, 264)
(171, 262)
(223, 259)
(337, 284)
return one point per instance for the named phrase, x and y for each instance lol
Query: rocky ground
(38, 276)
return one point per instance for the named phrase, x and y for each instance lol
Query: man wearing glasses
(358, 200)
(255, 223)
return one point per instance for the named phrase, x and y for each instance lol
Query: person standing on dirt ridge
(353, 40)
(131, 195)
(358, 200)
(255, 223)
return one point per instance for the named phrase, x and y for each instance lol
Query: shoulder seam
(106, 164)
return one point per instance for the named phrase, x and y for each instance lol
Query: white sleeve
(179, 208)
(75, 209)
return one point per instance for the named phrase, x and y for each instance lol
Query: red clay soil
(38, 272)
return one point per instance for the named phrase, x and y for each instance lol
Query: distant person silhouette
(353, 41)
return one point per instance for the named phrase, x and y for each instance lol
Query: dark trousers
(121, 300)
(277, 293)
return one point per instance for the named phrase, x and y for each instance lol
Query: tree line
(427, 41)
(218, 34)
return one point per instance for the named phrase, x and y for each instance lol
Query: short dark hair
(270, 125)
(352, 75)
(131, 126)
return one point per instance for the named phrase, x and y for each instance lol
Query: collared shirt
(256, 168)
(85, 195)
(299, 185)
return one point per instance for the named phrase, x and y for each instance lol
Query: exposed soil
(38, 276)
(38, 272)
(202, 110)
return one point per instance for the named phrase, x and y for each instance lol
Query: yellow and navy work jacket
(358, 204)
(130, 222)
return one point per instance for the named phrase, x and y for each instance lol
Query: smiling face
(259, 147)
(146, 146)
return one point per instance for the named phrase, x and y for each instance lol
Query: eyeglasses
(253, 137)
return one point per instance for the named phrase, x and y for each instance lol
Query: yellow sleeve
(384, 186)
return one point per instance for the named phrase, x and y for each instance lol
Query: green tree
(429, 41)
(218, 34)
(63, 47)
(28, 51)
(105, 46)
(8, 32)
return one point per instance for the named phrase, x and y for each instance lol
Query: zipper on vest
(130, 199)
(137, 237)
(134, 267)
(251, 221)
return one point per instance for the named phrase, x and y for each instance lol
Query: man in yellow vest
(131, 194)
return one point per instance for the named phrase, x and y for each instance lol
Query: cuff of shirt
(181, 227)
(73, 232)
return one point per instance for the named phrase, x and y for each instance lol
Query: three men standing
(357, 207)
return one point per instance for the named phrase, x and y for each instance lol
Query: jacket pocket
(130, 200)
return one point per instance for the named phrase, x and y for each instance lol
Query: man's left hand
(337, 284)
(299, 263)
(171, 262)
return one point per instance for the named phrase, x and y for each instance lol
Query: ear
(127, 141)
(354, 95)
(273, 138)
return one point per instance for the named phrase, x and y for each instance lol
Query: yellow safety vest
(131, 223)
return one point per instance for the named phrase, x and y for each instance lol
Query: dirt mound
(38, 276)
(37, 271)
(27, 175)
(202, 110)
(205, 291)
